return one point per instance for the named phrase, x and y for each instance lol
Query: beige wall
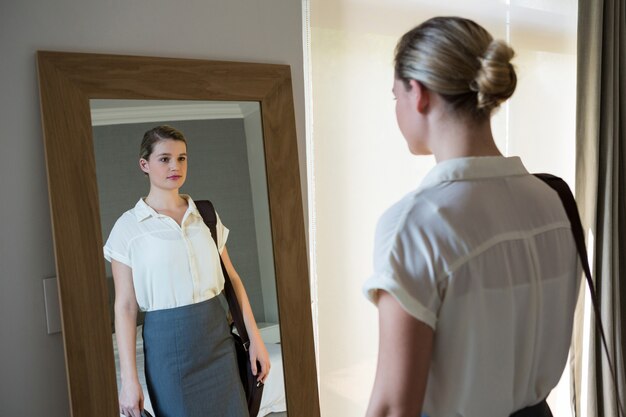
(362, 165)
(32, 376)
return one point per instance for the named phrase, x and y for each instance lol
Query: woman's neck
(458, 138)
(165, 199)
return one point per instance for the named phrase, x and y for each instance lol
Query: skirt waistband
(187, 311)
(538, 410)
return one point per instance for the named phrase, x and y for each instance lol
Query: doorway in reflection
(226, 165)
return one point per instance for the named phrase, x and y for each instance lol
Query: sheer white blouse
(172, 265)
(483, 253)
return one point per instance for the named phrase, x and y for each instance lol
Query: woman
(476, 273)
(165, 262)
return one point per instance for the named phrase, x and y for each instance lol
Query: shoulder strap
(571, 209)
(207, 211)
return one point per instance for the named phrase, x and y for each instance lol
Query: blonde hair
(460, 60)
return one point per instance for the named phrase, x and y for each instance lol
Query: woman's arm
(257, 346)
(131, 394)
(404, 355)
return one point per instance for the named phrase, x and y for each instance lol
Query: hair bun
(496, 80)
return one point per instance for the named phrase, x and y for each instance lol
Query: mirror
(226, 166)
(75, 87)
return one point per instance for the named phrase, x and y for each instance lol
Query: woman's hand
(131, 399)
(258, 352)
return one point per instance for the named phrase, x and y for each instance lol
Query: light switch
(53, 310)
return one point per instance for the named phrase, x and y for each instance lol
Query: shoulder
(128, 218)
(126, 226)
(414, 212)
(198, 205)
(408, 226)
(203, 208)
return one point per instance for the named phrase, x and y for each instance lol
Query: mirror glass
(226, 165)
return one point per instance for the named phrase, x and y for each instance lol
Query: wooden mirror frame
(67, 81)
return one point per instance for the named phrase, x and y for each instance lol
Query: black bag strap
(207, 211)
(569, 203)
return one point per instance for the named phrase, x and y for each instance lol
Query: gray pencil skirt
(190, 364)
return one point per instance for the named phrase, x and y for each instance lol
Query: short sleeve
(117, 245)
(403, 264)
(222, 234)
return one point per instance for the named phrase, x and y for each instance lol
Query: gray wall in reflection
(217, 171)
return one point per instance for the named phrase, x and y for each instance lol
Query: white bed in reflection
(273, 400)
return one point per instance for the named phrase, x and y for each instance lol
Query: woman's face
(167, 164)
(409, 119)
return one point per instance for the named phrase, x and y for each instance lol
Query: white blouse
(483, 253)
(172, 265)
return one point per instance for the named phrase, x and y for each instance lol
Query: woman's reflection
(165, 262)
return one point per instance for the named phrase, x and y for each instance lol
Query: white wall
(32, 376)
(362, 164)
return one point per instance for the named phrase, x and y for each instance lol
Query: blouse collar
(143, 210)
(472, 168)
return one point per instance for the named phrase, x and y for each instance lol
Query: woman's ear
(143, 165)
(422, 96)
